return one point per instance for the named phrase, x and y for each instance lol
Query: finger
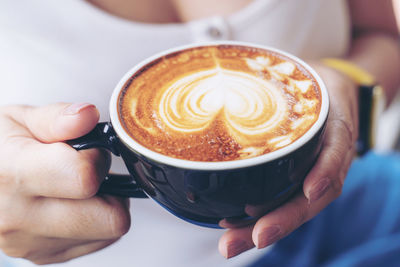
(236, 241)
(282, 221)
(53, 170)
(273, 226)
(73, 252)
(97, 218)
(57, 170)
(24, 245)
(285, 219)
(330, 169)
(322, 185)
(344, 108)
(236, 223)
(257, 211)
(59, 122)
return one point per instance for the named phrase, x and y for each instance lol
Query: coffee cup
(208, 129)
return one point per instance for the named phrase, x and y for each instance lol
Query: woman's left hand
(323, 183)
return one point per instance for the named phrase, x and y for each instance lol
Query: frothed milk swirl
(219, 103)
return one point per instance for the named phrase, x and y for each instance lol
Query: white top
(70, 51)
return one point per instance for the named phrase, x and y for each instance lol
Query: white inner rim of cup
(222, 165)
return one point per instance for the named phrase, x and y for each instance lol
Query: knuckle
(343, 124)
(337, 186)
(301, 217)
(17, 252)
(87, 181)
(335, 157)
(81, 177)
(298, 216)
(7, 226)
(92, 167)
(119, 221)
(9, 229)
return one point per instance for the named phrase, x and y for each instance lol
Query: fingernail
(268, 236)
(74, 109)
(235, 248)
(319, 190)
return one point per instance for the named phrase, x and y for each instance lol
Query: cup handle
(103, 136)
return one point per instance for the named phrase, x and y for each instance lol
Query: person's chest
(169, 11)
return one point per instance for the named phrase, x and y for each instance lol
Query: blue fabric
(360, 228)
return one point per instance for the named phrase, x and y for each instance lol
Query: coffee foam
(219, 103)
(190, 104)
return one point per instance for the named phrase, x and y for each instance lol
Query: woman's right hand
(49, 210)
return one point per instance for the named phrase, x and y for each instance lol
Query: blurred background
(388, 131)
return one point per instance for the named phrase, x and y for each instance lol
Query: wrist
(370, 97)
(354, 72)
(336, 80)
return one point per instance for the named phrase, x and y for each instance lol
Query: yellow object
(357, 74)
(368, 88)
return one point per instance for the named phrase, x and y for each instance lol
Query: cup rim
(221, 165)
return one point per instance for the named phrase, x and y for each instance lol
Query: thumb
(61, 121)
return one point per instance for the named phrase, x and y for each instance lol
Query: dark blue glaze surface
(204, 197)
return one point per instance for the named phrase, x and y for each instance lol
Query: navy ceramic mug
(204, 193)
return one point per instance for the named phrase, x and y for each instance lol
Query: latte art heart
(219, 103)
(248, 104)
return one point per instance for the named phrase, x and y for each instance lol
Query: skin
(57, 216)
(49, 190)
(375, 49)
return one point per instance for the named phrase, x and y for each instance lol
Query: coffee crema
(219, 103)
